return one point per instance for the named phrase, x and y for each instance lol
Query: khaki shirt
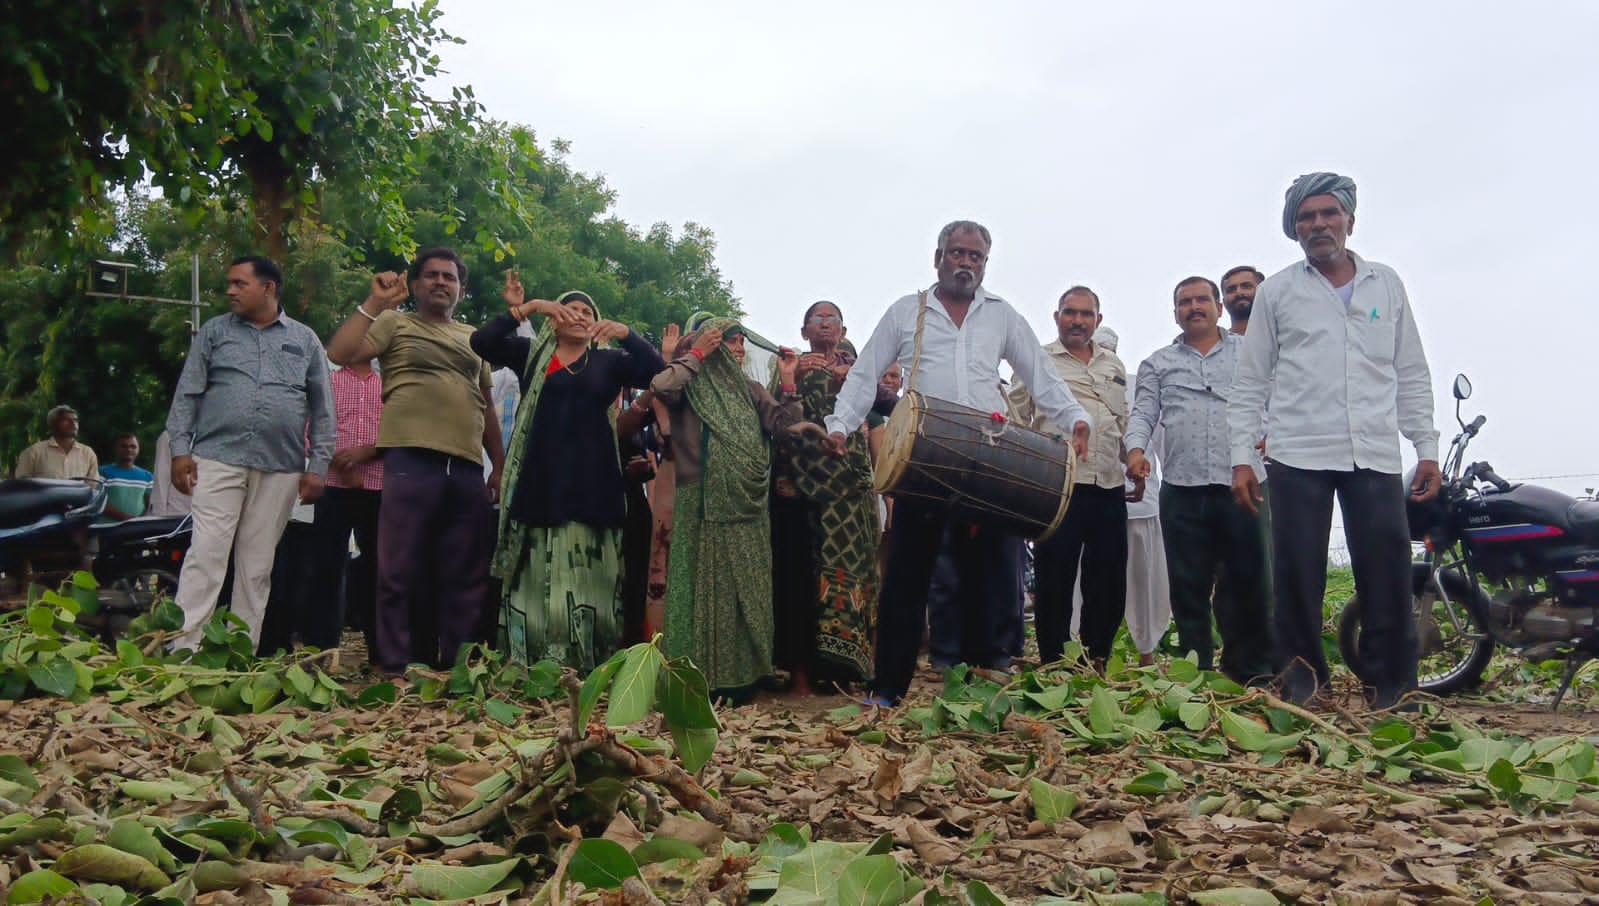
(434, 385)
(1101, 387)
(46, 459)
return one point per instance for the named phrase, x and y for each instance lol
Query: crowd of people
(557, 483)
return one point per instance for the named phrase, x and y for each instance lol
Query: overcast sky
(1124, 146)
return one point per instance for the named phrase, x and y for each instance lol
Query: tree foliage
(259, 101)
(117, 362)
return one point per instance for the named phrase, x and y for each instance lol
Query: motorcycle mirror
(1462, 387)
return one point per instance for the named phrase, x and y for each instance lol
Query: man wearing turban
(1334, 345)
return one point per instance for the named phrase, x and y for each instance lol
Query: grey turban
(1339, 187)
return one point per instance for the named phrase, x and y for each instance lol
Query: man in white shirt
(967, 331)
(1334, 346)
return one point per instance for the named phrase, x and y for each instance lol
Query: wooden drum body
(989, 472)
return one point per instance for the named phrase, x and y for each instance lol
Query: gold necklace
(581, 363)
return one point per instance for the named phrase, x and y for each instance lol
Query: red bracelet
(697, 354)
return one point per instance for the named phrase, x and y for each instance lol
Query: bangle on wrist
(362, 309)
(789, 389)
(697, 354)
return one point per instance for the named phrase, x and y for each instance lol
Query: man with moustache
(1238, 288)
(1184, 388)
(60, 457)
(1336, 350)
(966, 332)
(438, 418)
(1094, 532)
(251, 429)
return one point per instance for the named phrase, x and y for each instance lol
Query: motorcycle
(136, 563)
(49, 529)
(1507, 564)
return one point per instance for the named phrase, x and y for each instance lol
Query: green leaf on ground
(601, 865)
(459, 882)
(1051, 803)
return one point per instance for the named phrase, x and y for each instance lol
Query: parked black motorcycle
(1515, 565)
(48, 530)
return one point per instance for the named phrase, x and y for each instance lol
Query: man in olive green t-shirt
(438, 415)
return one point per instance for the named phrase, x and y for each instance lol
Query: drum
(986, 470)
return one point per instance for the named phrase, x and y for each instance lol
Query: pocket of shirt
(285, 366)
(1377, 337)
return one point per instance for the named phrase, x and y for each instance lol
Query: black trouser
(1006, 630)
(794, 588)
(293, 566)
(1373, 505)
(1095, 533)
(432, 557)
(343, 586)
(1211, 540)
(985, 588)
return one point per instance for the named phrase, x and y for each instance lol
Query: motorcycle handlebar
(1476, 425)
(1485, 472)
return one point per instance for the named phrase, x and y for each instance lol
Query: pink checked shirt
(357, 404)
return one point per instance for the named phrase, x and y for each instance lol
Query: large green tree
(259, 101)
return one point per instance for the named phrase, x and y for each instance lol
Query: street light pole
(114, 274)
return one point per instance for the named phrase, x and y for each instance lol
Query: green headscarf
(511, 547)
(737, 461)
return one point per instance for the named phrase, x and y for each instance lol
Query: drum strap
(916, 354)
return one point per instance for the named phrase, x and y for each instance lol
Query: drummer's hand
(835, 444)
(1137, 465)
(1137, 493)
(1080, 439)
(1246, 490)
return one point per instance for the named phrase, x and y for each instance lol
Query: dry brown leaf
(623, 831)
(1109, 843)
(1313, 817)
(701, 833)
(886, 781)
(932, 848)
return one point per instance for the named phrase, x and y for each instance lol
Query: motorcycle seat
(112, 534)
(1583, 518)
(27, 500)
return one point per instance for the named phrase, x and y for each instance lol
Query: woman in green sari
(559, 552)
(719, 591)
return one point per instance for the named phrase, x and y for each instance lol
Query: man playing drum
(965, 332)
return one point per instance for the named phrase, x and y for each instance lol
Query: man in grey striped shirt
(252, 430)
(1185, 387)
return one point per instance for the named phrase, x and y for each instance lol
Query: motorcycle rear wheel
(1447, 660)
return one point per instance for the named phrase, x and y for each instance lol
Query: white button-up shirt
(1343, 382)
(959, 364)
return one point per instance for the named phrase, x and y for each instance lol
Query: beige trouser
(239, 509)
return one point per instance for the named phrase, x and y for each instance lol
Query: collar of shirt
(280, 321)
(1227, 336)
(1363, 271)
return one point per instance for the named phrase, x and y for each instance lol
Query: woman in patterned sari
(825, 529)
(719, 594)
(559, 553)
